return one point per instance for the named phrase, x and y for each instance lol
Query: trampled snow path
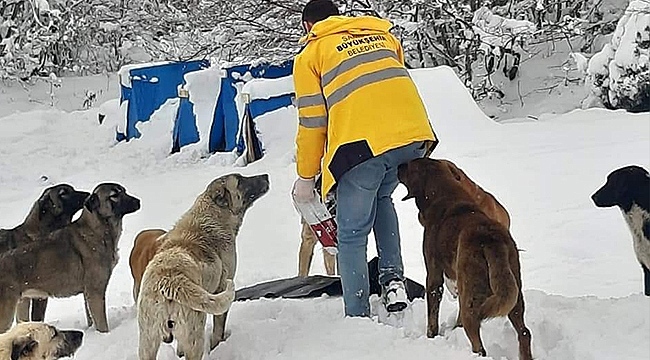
(582, 283)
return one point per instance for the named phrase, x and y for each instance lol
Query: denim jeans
(365, 203)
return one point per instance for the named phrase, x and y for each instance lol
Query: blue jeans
(363, 203)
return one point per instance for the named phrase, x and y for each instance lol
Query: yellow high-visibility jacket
(355, 98)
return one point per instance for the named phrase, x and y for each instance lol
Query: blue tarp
(227, 121)
(151, 87)
(185, 129)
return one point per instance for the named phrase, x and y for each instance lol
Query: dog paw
(432, 333)
(102, 330)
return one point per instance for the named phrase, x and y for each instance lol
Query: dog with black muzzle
(53, 210)
(465, 244)
(78, 258)
(191, 273)
(39, 341)
(629, 189)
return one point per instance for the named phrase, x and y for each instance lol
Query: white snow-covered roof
(268, 88)
(124, 72)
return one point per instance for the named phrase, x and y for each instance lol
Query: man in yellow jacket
(360, 117)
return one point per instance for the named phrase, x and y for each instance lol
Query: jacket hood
(360, 25)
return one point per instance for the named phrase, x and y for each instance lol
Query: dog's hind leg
(306, 253)
(516, 317)
(218, 330)
(148, 342)
(472, 326)
(190, 334)
(149, 330)
(22, 310)
(39, 306)
(434, 291)
(330, 262)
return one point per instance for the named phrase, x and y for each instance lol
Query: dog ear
(22, 347)
(222, 197)
(455, 171)
(92, 202)
(45, 205)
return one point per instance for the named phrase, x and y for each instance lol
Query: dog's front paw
(431, 332)
(102, 329)
(481, 352)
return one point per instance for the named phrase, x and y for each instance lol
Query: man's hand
(303, 189)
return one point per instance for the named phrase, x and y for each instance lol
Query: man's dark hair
(317, 10)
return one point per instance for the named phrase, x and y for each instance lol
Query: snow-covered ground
(581, 280)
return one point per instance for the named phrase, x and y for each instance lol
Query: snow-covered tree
(237, 31)
(619, 75)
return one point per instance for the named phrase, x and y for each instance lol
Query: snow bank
(204, 87)
(619, 75)
(157, 132)
(112, 115)
(454, 114)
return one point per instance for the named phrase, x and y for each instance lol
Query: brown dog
(53, 210)
(488, 203)
(38, 341)
(78, 258)
(464, 244)
(145, 246)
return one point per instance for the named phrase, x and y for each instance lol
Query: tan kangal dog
(38, 341)
(464, 244)
(197, 259)
(145, 246)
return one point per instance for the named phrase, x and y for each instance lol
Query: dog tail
(505, 290)
(186, 292)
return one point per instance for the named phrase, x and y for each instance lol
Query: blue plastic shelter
(231, 130)
(150, 87)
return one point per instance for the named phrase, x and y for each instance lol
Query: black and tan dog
(466, 245)
(53, 210)
(191, 273)
(76, 259)
(629, 189)
(38, 341)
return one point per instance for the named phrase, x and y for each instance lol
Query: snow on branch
(619, 75)
(498, 31)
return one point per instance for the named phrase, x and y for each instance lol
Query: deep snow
(582, 283)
